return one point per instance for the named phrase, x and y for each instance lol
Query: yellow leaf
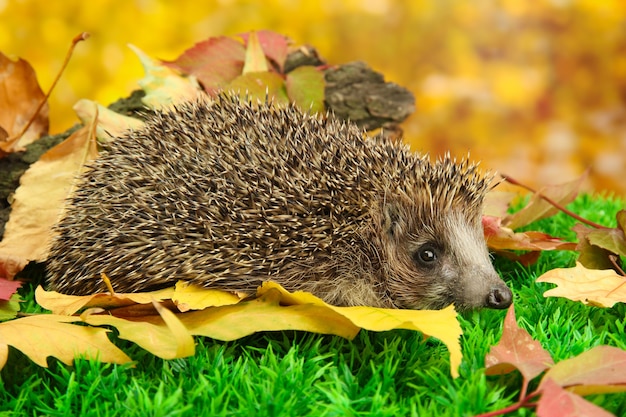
(64, 304)
(162, 335)
(266, 314)
(109, 123)
(192, 297)
(602, 288)
(46, 335)
(255, 57)
(164, 86)
(40, 199)
(185, 344)
(441, 324)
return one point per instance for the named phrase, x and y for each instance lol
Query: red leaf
(215, 61)
(517, 349)
(8, 288)
(557, 402)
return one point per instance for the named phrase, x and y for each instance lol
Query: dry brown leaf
(40, 198)
(20, 95)
(46, 335)
(601, 288)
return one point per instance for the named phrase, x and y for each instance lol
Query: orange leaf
(20, 95)
(601, 288)
(517, 349)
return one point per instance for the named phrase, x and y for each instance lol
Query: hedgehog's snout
(499, 297)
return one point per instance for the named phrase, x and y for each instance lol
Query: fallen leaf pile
(599, 370)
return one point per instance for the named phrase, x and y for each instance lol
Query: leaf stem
(513, 181)
(80, 37)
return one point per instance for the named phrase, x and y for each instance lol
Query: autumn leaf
(40, 199)
(273, 45)
(215, 62)
(500, 237)
(8, 288)
(596, 371)
(255, 57)
(305, 87)
(591, 256)
(10, 308)
(517, 350)
(538, 208)
(44, 335)
(64, 304)
(110, 124)
(601, 288)
(163, 85)
(191, 297)
(228, 318)
(260, 86)
(20, 95)
(557, 402)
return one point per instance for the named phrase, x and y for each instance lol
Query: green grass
(393, 373)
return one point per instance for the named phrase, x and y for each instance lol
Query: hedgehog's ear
(392, 218)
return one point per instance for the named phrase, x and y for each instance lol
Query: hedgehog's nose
(499, 297)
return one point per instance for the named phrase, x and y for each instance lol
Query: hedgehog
(227, 193)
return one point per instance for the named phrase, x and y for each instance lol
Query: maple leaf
(20, 96)
(46, 335)
(517, 350)
(601, 288)
(40, 199)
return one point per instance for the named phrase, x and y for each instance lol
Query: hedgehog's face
(433, 261)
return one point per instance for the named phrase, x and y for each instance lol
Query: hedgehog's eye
(426, 255)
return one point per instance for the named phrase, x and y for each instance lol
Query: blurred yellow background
(535, 89)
